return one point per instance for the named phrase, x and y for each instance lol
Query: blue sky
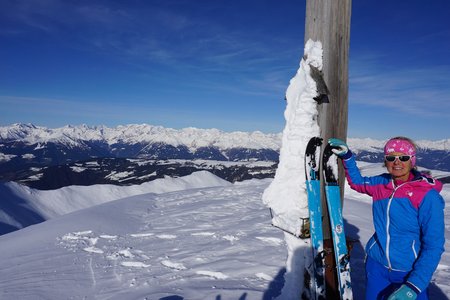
(216, 64)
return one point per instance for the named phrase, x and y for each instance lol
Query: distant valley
(46, 158)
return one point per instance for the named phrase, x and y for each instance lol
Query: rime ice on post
(286, 195)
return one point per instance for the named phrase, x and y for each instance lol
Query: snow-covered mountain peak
(191, 137)
(366, 144)
(371, 145)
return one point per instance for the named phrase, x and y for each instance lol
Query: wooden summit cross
(328, 21)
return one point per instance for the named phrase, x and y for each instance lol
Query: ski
(314, 275)
(333, 196)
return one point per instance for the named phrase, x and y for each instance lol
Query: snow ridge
(45, 205)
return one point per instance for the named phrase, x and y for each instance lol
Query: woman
(408, 216)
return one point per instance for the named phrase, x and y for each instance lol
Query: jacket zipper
(388, 221)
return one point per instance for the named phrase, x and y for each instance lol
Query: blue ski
(333, 195)
(314, 275)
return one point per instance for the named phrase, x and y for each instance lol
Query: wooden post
(328, 21)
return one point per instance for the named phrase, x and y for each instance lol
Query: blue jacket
(408, 221)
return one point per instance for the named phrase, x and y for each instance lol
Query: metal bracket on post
(303, 233)
(322, 89)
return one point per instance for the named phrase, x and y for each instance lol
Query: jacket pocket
(370, 244)
(413, 246)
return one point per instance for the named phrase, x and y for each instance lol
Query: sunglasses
(403, 158)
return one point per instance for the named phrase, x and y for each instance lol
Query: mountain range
(48, 158)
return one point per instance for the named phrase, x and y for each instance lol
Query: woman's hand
(340, 148)
(404, 292)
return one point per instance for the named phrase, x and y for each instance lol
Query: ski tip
(329, 171)
(315, 141)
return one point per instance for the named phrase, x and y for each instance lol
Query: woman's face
(398, 169)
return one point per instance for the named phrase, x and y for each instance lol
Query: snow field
(198, 243)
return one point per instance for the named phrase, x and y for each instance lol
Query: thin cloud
(154, 36)
(434, 37)
(418, 91)
(53, 107)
